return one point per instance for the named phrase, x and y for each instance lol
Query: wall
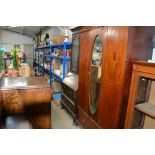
(57, 30)
(8, 39)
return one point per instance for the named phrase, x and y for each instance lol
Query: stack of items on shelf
(57, 39)
(55, 57)
(47, 59)
(49, 40)
(57, 65)
(16, 68)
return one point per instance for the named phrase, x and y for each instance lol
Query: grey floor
(61, 119)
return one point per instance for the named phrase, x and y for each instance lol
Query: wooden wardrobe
(119, 46)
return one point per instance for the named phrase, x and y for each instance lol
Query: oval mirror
(95, 74)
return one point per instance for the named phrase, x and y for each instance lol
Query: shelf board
(61, 58)
(55, 45)
(48, 46)
(69, 99)
(61, 44)
(147, 108)
(55, 92)
(56, 76)
(8, 58)
(46, 55)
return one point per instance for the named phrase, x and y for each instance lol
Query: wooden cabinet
(70, 83)
(141, 106)
(69, 95)
(119, 45)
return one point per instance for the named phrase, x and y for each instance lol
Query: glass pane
(144, 104)
(75, 54)
(95, 74)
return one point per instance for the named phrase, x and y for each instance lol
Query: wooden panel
(69, 92)
(83, 71)
(85, 121)
(140, 44)
(39, 115)
(144, 67)
(132, 96)
(69, 105)
(35, 103)
(110, 105)
(115, 41)
(115, 53)
(12, 102)
(126, 90)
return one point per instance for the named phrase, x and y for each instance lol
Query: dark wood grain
(140, 43)
(33, 102)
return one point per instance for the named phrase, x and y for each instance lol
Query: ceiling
(30, 31)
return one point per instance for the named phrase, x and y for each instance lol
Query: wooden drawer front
(70, 93)
(85, 121)
(69, 106)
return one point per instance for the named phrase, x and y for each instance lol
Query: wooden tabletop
(7, 83)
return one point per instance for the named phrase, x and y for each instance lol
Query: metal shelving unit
(39, 56)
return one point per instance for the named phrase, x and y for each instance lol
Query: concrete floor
(61, 119)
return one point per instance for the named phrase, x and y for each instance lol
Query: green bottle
(15, 66)
(1, 60)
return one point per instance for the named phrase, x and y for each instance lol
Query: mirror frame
(93, 112)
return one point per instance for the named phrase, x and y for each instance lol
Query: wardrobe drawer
(69, 106)
(85, 121)
(70, 93)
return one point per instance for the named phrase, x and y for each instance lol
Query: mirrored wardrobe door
(95, 74)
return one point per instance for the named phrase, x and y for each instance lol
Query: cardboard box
(24, 69)
(57, 39)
